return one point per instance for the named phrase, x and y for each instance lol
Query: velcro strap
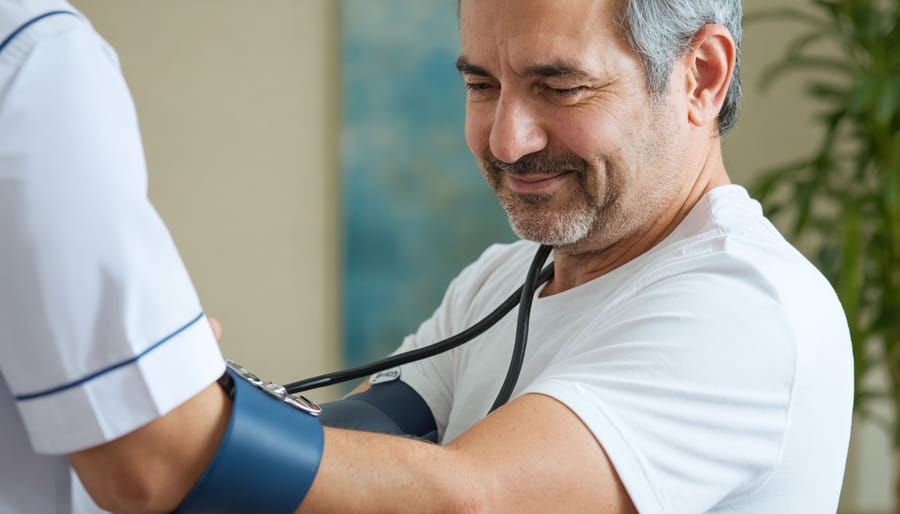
(266, 461)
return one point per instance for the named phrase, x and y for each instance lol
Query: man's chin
(541, 233)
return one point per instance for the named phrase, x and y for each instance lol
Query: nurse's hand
(216, 327)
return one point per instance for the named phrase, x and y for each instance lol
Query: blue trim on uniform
(29, 23)
(47, 392)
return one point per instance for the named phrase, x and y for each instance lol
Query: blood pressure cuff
(388, 407)
(269, 455)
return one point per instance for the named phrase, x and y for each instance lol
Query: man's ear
(709, 65)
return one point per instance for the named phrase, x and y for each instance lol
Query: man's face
(562, 123)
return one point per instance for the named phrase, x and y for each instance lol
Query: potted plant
(843, 201)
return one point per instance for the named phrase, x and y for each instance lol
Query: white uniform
(715, 370)
(101, 331)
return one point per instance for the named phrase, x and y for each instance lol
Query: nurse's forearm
(154, 467)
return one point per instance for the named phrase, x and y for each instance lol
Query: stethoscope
(523, 297)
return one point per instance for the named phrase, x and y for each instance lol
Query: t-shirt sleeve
(102, 331)
(688, 396)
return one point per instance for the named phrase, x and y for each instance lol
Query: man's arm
(154, 467)
(532, 455)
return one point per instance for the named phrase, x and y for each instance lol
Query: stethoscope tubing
(523, 297)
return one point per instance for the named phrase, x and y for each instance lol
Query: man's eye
(478, 87)
(567, 92)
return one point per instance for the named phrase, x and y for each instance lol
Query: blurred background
(308, 158)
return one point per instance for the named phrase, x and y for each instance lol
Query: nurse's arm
(153, 468)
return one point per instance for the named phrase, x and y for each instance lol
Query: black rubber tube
(532, 282)
(431, 350)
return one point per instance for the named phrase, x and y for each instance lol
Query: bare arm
(154, 467)
(361, 388)
(533, 455)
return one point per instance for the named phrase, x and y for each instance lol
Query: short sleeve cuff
(608, 433)
(122, 398)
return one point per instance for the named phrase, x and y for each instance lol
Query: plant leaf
(886, 103)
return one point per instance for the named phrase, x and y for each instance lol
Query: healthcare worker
(101, 332)
(107, 360)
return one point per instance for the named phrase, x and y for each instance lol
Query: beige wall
(238, 103)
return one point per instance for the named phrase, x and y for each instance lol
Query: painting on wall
(415, 207)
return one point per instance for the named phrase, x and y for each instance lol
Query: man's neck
(572, 269)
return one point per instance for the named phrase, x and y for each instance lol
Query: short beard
(530, 216)
(564, 229)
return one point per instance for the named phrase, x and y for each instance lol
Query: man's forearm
(365, 472)
(532, 455)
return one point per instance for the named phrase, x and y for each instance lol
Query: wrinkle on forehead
(517, 35)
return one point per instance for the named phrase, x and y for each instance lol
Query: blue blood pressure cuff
(389, 406)
(269, 455)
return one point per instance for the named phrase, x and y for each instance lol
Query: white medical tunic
(101, 330)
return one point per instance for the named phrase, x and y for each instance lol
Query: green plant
(843, 201)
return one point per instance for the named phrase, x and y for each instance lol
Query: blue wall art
(415, 207)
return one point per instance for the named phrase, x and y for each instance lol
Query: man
(683, 358)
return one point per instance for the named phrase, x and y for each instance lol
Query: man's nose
(516, 131)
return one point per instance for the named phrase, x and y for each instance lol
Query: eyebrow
(466, 68)
(556, 68)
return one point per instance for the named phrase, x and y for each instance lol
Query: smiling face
(562, 123)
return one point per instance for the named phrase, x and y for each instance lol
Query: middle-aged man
(684, 357)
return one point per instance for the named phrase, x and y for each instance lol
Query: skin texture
(560, 118)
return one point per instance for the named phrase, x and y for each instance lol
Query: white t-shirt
(715, 370)
(101, 330)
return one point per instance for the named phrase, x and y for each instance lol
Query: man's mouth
(534, 183)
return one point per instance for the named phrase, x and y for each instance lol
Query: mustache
(539, 163)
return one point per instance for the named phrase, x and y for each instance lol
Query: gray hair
(662, 30)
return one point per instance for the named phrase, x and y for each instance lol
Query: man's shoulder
(501, 262)
(506, 253)
(496, 273)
